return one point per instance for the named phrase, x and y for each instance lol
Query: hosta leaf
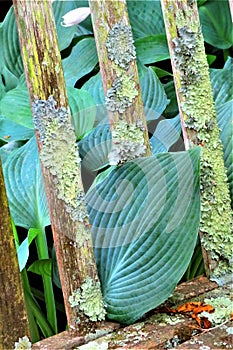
(65, 34)
(81, 61)
(152, 48)
(145, 17)
(9, 44)
(25, 188)
(15, 106)
(23, 248)
(95, 147)
(221, 81)
(11, 131)
(95, 87)
(145, 218)
(83, 111)
(41, 267)
(172, 107)
(216, 23)
(166, 134)
(225, 122)
(153, 94)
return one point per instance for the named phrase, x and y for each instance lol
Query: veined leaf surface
(25, 187)
(145, 218)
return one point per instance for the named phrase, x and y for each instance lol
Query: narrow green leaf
(42, 267)
(23, 248)
(23, 254)
(145, 218)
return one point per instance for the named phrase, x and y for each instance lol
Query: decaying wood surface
(13, 316)
(62, 178)
(199, 125)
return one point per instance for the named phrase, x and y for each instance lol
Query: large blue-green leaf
(9, 44)
(145, 219)
(15, 106)
(25, 188)
(216, 23)
(166, 134)
(81, 61)
(221, 81)
(152, 48)
(146, 17)
(11, 131)
(225, 122)
(83, 111)
(222, 84)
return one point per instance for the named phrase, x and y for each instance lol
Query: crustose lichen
(128, 142)
(121, 94)
(120, 45)
(88, 299)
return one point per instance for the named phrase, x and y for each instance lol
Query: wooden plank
(13, 316)
(60, 164)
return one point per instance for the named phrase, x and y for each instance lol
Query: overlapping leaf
(152, 48)
(221, 80)
(145, 18)
(166, 134)
(83, 111)
(81, 61)
(15, 106)
(145, 218)
(25, 188)
(9, 43)
(11, 131)
(216, 23)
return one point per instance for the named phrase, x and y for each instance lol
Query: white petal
(75, 16)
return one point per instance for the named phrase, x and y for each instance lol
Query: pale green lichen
(128, 142)
(120, 45)
(200, 120)
(121, 94)
(223, 308)
(23, 343)
(164, 319)
(88, 299)
(60, 154)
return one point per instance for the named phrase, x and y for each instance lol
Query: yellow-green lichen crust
(200, 120)
(60, 155)
(128, 142)
(88, 299)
